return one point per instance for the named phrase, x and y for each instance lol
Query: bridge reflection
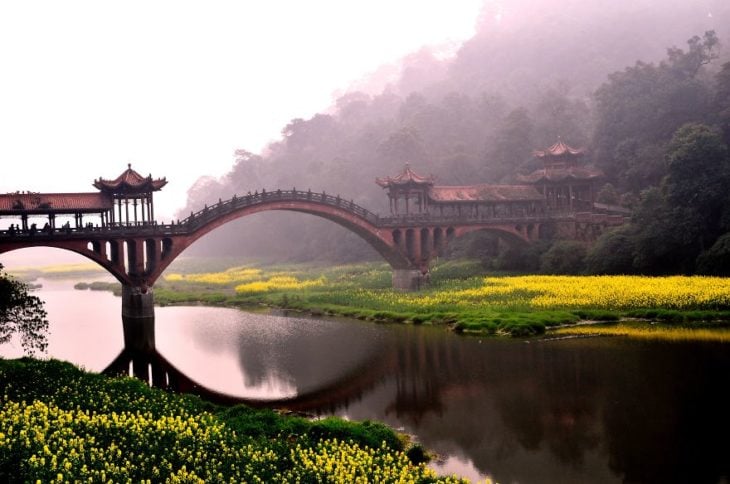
(563, 411)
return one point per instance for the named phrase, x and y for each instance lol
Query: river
(576, 410)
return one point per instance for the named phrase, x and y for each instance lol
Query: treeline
(662, 135)
(476, 117)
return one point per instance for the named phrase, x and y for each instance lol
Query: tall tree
(21, 314)
(510, 147)
(697, 183)
(639, 109)
(722, 100)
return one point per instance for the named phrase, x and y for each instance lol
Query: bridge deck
(206, 215)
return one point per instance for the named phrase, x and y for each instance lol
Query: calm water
(581, 410)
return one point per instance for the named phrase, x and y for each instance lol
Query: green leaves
(21, 314)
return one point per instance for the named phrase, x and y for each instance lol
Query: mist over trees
(643, 84)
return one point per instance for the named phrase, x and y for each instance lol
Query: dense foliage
(459, 296)
(58, 423)
(530, 73)
(21, 314)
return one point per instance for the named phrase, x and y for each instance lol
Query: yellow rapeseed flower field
(279, 283)
(570, 292)
(233, 275)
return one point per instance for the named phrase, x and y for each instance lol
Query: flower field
(566, 292)
(58, 424)
(460, 296)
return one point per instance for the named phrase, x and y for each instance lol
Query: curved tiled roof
(562, 173)
(13, 203)
(405, 177)
(130, 182)
(484, 193)
(559, 149)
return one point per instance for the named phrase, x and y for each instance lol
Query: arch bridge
(137, 253)
(130, 244)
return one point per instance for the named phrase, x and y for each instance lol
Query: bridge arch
(91, 250)
(343, 213)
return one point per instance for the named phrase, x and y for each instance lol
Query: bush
(716, 260)
(564, 257)
(613, 253)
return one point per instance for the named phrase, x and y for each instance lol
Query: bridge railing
(210, 213)
(117, 230)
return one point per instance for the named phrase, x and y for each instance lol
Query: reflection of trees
(594, 410)
(666, 418)
(306, 353)
(498, 402)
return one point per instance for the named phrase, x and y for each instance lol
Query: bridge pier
(138, 321)
(408, 279)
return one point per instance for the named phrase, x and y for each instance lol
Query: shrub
(613, 253)
(716, 260)
(564, 257)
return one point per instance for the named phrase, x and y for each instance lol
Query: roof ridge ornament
(130, 182)
(407, 176)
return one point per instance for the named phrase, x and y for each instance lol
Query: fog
(534, 70)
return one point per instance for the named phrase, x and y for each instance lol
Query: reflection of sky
(589, 410)
(260, 356)
(208, 353)
(84, 326)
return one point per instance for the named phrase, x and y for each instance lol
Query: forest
(645, 88)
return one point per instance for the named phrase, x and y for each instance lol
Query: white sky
(174, 87)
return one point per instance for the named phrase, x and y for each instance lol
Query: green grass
(363, 291)
(56, 420)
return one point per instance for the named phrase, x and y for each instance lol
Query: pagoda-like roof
(43, 203)
(406, 177)
(130, 182)
(485, 193)
(559, 149)
(550, 174)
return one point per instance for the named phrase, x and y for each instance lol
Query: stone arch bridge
(137, 254)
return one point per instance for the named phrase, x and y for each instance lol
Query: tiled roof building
(564, 183)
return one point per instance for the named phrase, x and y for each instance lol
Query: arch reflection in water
(588, 410)
(254, 358)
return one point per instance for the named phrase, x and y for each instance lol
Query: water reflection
(598, 410)
(587, 410)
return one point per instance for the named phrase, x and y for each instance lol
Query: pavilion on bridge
(125, 200)
(564, 184)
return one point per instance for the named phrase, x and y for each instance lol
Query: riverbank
(60, 423)
(460, 296)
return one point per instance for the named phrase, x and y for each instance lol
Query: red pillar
(416, 245)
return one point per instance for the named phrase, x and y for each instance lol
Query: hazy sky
(174, 87)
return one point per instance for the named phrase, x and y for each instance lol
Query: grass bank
(460, 296)
(58, 423)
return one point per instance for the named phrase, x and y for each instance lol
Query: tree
(564, 257)
(722, 100)
(21, 314)
(613, 252)
(510, 146)
(403, 146)
(639, 109)
(699, 174)
(716, 260)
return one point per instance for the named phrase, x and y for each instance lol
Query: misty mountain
(534, 70)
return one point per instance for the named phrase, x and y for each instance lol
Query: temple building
(126, 200)
(563, 184)
(412, 194)
(131, 195)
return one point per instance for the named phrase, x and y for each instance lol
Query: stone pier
(408, 279)
(138, 321)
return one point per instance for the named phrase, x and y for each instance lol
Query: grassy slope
(459, 297)
(57, 421)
